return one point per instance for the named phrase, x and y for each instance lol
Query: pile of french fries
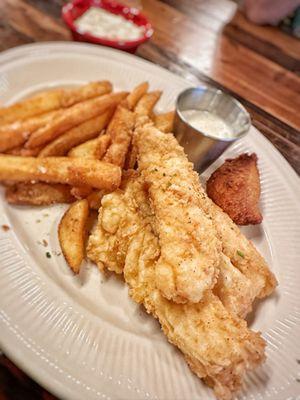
(71, 146)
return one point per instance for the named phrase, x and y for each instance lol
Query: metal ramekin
(203, 149)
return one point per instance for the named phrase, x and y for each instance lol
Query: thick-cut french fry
(52, 100)
(164, 122)
(116, 153)
(120, 130)
(8, 183)
(73, 116)
(31, 152)
(146, 104)
(123, 119)
(77, 135)
(16, 134)
(131, 100)
(131, 157)
(72, 171)
(122, 124)
(20, 151)
(94, 148)
(144, 108)
(15, 151)
(81, 192)
(72, 233)
(38, 194)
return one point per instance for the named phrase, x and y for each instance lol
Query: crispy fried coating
(241, 252)
(235, 187)
(190, 250)
(217, 345)
(234, 289)
(165, 122)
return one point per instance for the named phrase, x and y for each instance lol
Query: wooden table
(204, 41)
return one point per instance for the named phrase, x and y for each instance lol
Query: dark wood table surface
(204, 41)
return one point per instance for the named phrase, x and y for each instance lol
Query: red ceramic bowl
(73, 10)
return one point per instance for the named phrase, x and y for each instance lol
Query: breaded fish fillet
(161, 151)
(217, 345)
(234, 289)
(107, 246)
(190, 250)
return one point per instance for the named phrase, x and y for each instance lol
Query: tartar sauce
(208, 123)
(102, 23)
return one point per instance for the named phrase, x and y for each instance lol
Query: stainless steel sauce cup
(203, 149)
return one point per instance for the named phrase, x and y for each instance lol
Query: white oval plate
(82, 337)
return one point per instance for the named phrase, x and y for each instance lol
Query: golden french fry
(116, 153)
(132, 99)
(16, 134)
(72, 171)
(94, 148)
(123, 119)
(144, 108)
(77, 135)
(31, 152)
(52, 100)
(81, 192)
(72, 233)
(131, 157)
(120, 130)
(15, 151)
(73, 116)
(164, 122)
(85, 92)
(20, 151)
(146, 103)
(8, 183)
(38, 194)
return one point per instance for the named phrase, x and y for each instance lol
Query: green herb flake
(240, 253)
(48, 255)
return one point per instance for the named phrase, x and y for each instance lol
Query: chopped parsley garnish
(240, 253)
(48, 255)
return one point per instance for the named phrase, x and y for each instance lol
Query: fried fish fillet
(160, 154)
(233, 288)
(190, 250)
(217, 345)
